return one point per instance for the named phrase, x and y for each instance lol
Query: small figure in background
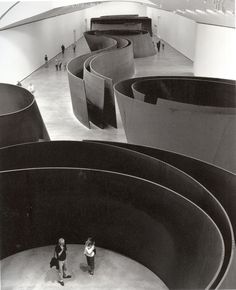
(74, 47)
(57, 63)
(60, 64)
(163, 46)
(65, 64)
(19, 84)
(46, 60)
(62, 49)
(90, 252)
(158, 45)
(31, 88)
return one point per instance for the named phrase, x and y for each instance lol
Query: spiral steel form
(174, 214)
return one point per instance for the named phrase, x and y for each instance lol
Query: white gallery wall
(212, 48)
(176, 30)
(23, 48)
(215, 53)
(115, 8)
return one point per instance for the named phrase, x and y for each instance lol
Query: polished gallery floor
(53, 95)
(29, 270)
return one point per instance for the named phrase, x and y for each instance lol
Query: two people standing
(58, 62)
(159, 45)
(60, 254)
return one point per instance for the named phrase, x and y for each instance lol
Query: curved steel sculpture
(193, 116)
(91, 87)
(132, 21)
(167, 207)
(20, 118)
(141, 40)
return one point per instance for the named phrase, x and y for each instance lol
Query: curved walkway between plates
(91, 88)
(134, 199)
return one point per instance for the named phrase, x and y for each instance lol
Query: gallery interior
(118, 122)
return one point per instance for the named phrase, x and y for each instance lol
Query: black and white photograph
(117, 145)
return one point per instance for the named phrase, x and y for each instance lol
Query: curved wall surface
(122, 21)
(75, 70)
(95, 94)
(141, 40)
(92, 88)
(196, 184)
(129, 26)
(20, 118)
(77, 89)
(50, 196)
(220, 183)
(99, 43)
(121, 59)
(192, 116)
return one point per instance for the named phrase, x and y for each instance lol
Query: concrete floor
(29, 270)
(53, 96)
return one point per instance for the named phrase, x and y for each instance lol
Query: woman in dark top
(60, 251)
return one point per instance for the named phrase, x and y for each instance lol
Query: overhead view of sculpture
(117, 145)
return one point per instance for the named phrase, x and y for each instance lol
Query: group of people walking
(58, 61)
(60, 254)
(159, 45)
(58, 64)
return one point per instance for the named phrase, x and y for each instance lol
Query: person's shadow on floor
(83, 267)
(51, 275)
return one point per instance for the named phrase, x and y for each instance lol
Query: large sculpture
(20, 118)
(160, 203)
(92, 76)
(143, 45)
(119, 22)
(189, 115)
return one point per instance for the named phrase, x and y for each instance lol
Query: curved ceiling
(215, 12)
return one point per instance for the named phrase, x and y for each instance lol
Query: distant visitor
(31, 88)
(74, 47)
(158, 45)
(62, 49)
(46, 60)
